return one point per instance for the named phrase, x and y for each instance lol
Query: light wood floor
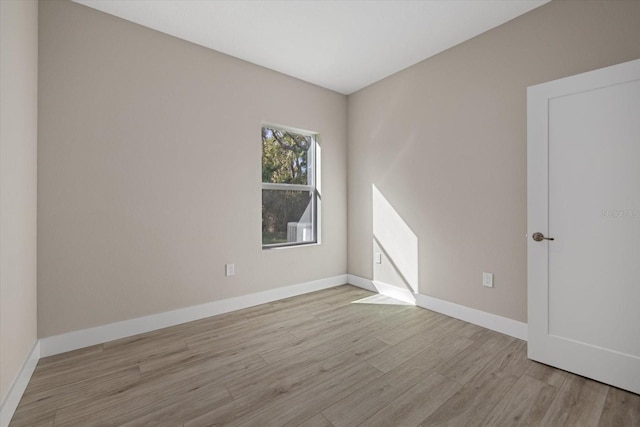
(317, 360)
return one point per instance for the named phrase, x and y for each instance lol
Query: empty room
(319, 213)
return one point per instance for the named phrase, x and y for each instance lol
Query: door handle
(539, 237)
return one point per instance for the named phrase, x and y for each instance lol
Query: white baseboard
(491, 321)
(10, 403)
(382, 288)
(395, 292)
(361, 282)
(477, 317)
(101, 334)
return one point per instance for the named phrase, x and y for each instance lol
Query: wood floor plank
(414, 405)
(480, 394)
(42, 405)
(411, 346)
(317, 421)
(361, 311)
(466, 364)
(312, 356)
(331, 328)
(151, 391)
(75, 355)
(336, 340)
(219, 350)
(323, 338)
(240, 320)
(326, 335)
(151, 409)
(420, 322)
(547, 374)
(524, 405)
(360, 404)
(267, 393)
(579, 402)
(512, 360)
(117, 358)
(18, 421)
(234, 334)
(621, 409)
(197, 401)
(294, 411)
(470, 330)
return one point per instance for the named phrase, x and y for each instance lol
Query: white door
(583, 159)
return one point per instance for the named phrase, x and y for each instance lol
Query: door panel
(584, 191)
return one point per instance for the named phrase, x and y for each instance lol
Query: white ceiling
(340, 45)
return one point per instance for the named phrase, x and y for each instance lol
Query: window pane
(285, 157)
(287, 217)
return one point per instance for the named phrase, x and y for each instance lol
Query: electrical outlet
(378, 258)
(487, 280)
(229, 269)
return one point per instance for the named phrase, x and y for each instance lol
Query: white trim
(101, 334)
(382, 288)
(491, 321)
(395, 292)
(287, 187)
(10, 403)
(361, 282)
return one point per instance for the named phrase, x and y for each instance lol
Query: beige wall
(18, 177)
(444, 144)
(149, 172)
(149, 161)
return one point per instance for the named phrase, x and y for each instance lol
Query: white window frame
(311, 186)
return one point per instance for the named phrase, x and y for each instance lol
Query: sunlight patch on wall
(397, 243)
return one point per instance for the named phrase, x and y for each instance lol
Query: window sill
(299, 245)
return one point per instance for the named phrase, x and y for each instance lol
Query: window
(289, 193)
